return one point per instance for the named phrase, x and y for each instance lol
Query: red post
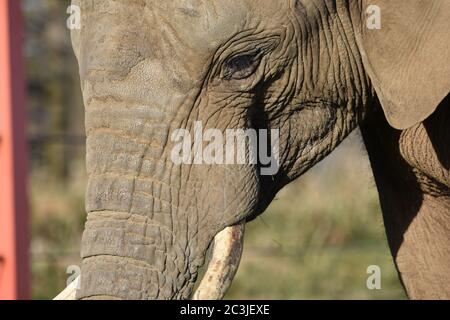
(14, 229)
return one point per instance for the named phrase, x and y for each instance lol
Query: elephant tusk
(70, 292)
(226, 255)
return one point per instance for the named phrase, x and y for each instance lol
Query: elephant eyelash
(241, 66)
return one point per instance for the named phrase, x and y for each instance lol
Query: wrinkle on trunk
(131, 246)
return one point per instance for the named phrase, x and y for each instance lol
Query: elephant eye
(240, 67)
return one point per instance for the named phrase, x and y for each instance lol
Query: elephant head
(148, 69)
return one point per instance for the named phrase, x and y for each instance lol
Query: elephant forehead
(206, 24)
(122, 37)
(197, 24)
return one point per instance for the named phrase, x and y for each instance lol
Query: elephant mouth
(223, 265)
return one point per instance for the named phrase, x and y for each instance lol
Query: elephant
(314, 70)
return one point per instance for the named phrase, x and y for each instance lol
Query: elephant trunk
(139, 240)
(133, 245)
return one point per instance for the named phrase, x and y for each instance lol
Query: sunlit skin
(149, 68)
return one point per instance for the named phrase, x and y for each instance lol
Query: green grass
(314, 242)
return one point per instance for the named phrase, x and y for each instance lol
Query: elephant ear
(407, 56)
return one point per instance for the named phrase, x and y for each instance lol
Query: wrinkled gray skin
(150, 67)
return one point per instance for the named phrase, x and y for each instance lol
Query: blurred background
(314, 242)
